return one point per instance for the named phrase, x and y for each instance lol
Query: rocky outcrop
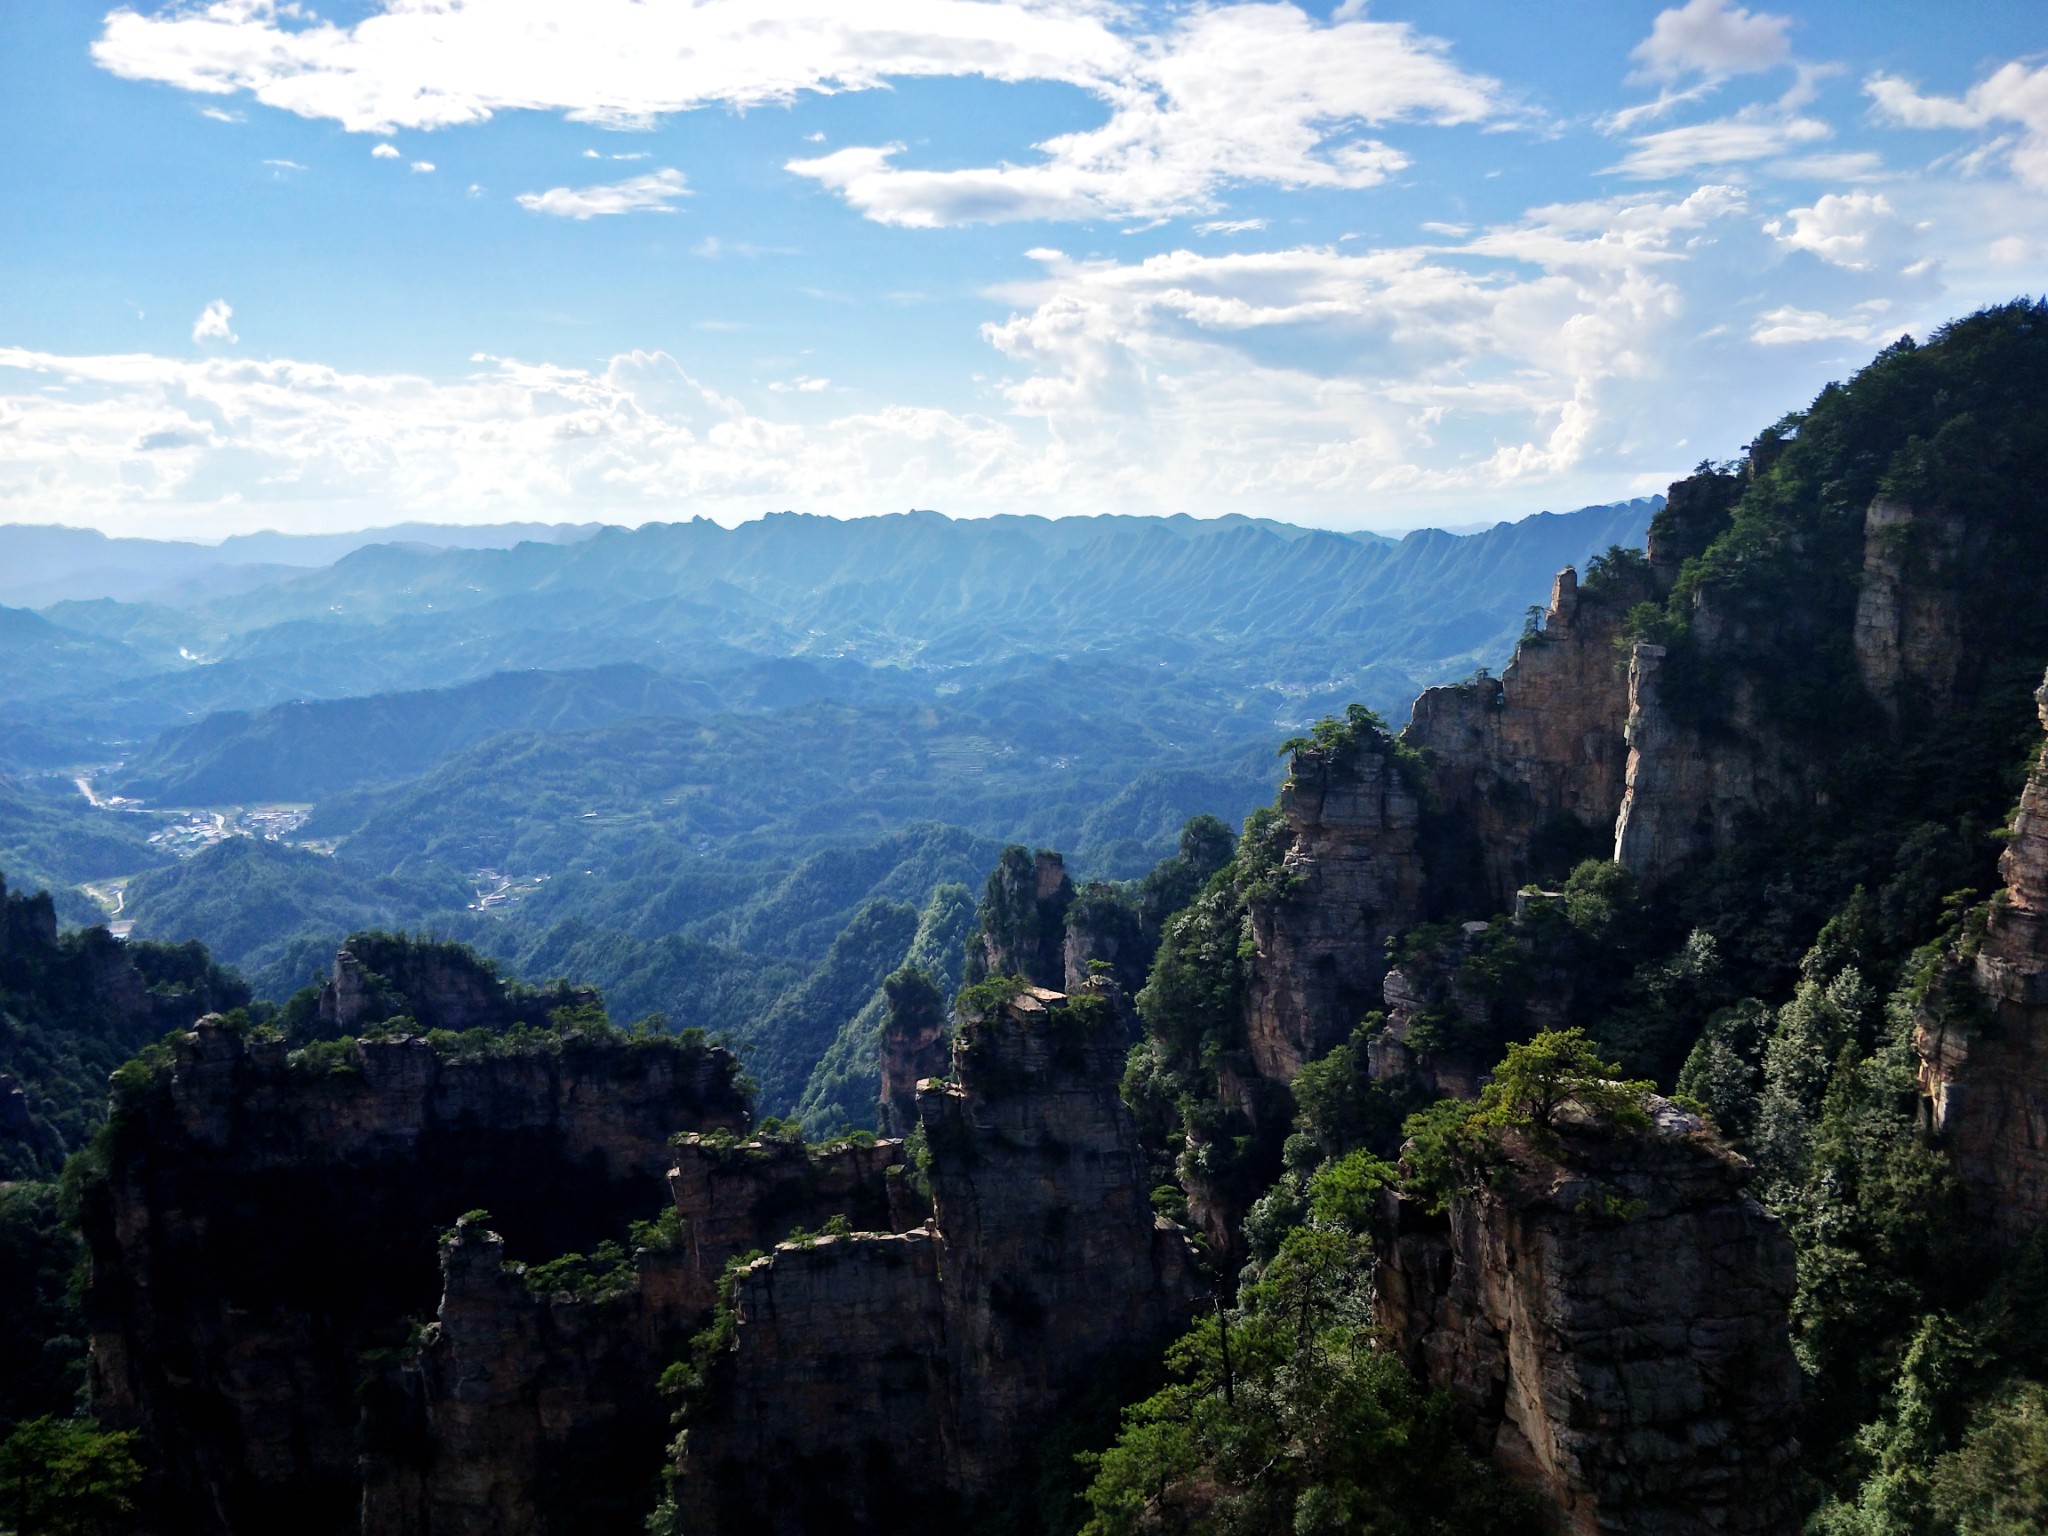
(1105, 939)
(1908, 615)
(377, 977)
(917, 1043)
(1022, 919)
(1689, 791)
(733, 1197)
(835, 1411)
(1982, 1033)
(1351, 878)
(1526, 770)
(267, 1217)
(1609, 1318)
(523, 1414)
(889, 1380)
(533, 1408)
(1696, 775)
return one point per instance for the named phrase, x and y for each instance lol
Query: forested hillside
(688, 763)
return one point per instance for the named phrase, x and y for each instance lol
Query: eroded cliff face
(1908, 613)
(1526, 770)
(1982, 1034)
(887, 1381)
(1689, 791)
(523, 1414)
(266, 1218)
(1354, 877)
(534, 1409)
(917, 1043)
(1610, 1320)
(734, 1198)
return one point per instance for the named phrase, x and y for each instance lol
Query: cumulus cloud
(1245, 93)
(212, 324)
(1492, 362)
(1712, 38)
(656, 192)
(2012, 94)
(384, 152)
(423, 167)
(1855, 230)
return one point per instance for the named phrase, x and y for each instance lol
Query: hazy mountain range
(719, 771)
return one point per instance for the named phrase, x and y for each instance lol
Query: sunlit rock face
(1609, 1318)
(1526, 770)
(1982, 1033)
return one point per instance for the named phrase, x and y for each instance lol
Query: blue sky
(314, 266)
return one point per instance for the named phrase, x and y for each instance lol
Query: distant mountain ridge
(43, 563)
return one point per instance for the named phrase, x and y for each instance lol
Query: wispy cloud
(1711, 146)
(1789, 326)
(423, 167)
(1230, 226)
(285, 165)
(656, 192)
(2012, 94)
(212, 324)
(222, 115)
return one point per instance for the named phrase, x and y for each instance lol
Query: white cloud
(1244, 93)
(1314, 372)
(1230, 226)
(1788, 325)
(1179, 382)
(385, 152)
(653, 193)
(411, 64)
(141, 441)
(212, 324)
(1254, 91)
(423, 167)
(1840, 165)
(1855, 230)
(1707, 147)
(222, 115)
(285, 165)
(2011, 94)
(1713, 38)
